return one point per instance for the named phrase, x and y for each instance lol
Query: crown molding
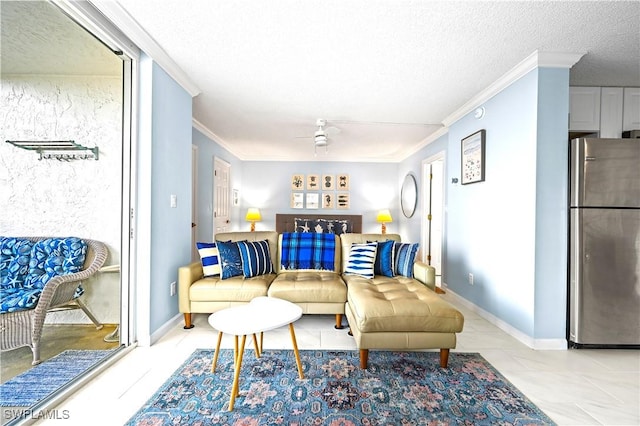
(215, 138)
(535, 60)
(125, 23)
(426, 141)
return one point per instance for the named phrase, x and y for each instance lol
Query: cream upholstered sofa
(315, 291)
(383, 312)
(200, 294)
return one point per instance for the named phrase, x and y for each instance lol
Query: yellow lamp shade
(253, 215)
(384, 216)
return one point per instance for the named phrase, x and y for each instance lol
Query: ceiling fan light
(320, 139)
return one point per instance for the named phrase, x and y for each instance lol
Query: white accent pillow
(361, 259)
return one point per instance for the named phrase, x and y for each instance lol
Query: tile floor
(574, 387)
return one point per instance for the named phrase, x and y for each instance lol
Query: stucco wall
(56, 198)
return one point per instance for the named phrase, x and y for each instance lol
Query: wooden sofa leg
(364, 358)
(444, 357)
(339, 322)
(187, 321)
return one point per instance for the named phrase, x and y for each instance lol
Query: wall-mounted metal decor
(58, 150)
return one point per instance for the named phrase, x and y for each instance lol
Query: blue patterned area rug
(36, 384)
(398, 388)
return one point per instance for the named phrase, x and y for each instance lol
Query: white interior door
(433, 178)
(221, 196)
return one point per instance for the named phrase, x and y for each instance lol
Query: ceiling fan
(321, 135)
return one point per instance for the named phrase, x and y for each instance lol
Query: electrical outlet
(470, 278)
(172, 288)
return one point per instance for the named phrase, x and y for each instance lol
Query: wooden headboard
(286, 222)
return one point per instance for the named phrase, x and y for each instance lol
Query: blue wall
(170, 174)
(510, 231)
(552, 193)
(372, 186)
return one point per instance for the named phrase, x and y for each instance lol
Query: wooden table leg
(235, 351)
(215, 355)
(255, 345)
(236, 374)
(295, 350)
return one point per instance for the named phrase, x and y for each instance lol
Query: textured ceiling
(385, 73)
(39, 39)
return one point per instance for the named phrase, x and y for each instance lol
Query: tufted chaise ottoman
(398, 313)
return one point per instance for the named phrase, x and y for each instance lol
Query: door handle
(193, 225)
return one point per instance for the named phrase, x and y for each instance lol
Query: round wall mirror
(409, 195)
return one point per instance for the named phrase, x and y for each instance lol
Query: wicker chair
(24, 328)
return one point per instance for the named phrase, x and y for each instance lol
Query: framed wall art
(297, 182)
(313, 200)
(342, 200)
(313, 182)
(342, 182)
(328, 182)
(327, 200)
(473, 157)
(297, 200)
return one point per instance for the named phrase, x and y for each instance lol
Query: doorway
(434, 208)
(87, 99)
(221, 196)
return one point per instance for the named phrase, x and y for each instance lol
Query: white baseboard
(159, 333)
(538, 344)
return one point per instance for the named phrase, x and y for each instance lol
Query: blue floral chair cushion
(48, 258)
(15, 254)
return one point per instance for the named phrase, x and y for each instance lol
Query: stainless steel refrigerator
(604, 282)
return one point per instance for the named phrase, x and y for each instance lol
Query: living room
(518, 260)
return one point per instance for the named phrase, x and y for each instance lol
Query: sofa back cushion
(346, 240)
(15, 254)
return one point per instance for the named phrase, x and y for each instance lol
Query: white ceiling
(386, 73)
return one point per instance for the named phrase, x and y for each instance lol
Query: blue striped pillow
(361, 259)
(210, 258)
(405, 257)
(256, 259)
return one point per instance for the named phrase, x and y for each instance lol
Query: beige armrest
(187, 275)
(426, 274)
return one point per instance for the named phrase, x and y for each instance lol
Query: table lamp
(384, 217)
(253, 216)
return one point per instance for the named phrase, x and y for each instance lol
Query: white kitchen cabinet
(611, 112)
(631, 109)
(584, 108)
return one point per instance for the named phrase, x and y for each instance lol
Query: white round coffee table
(260, 315)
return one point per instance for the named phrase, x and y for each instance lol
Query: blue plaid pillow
(361, 259)
(210, 257)
(230, 259)
(384, 259)
(256, 259)
(405, 254)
